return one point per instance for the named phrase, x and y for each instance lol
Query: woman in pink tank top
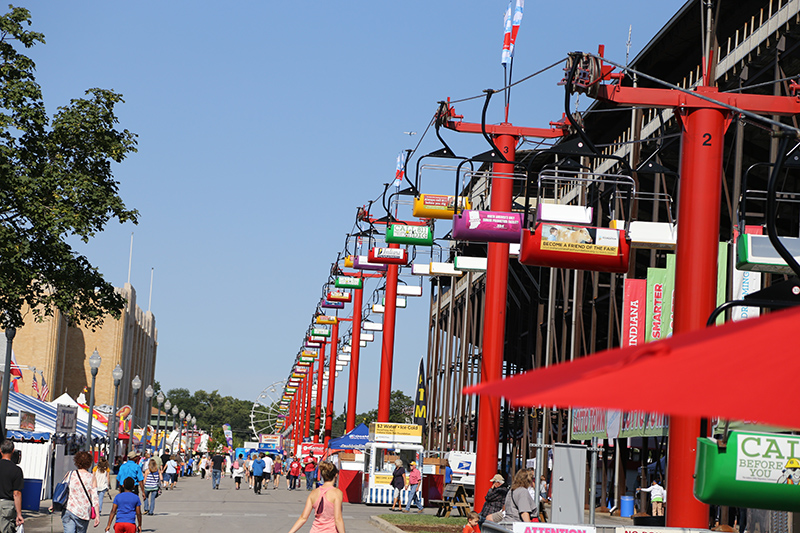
(326, 504)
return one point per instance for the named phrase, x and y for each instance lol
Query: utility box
(568, 483)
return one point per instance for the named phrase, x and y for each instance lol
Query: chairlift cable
(526, 78)
(743, 112)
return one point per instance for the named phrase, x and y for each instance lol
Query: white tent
(83, 415)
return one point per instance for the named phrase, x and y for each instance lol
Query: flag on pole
(45, 389)
(35, 386)
(506, 56)
(515, 23)
(16, 373)
(400, 172)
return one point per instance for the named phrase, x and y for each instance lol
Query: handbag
(92, 512)
(61, 494)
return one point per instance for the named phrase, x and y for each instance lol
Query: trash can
(31, 494)
(626, 506)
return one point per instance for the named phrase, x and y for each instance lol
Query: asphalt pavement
(194, 506)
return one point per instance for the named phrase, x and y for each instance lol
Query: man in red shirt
(414, 481)
(309, 469)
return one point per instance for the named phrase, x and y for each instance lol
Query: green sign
(321, 332)
(407, 234)
(755, 470)
(348, 282)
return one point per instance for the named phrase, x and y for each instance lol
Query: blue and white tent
(355, 440)
(46, 415)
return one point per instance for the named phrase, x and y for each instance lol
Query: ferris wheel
(265, 415)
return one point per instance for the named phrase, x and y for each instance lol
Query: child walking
(128, 510)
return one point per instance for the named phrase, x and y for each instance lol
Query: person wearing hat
(131, 469)
(414, 483)
(494, 501)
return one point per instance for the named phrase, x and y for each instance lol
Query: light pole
(117, 375)
(194, 428)
(136, 384)
(148, 393)
(167, 407)
(188, 421)
(180, 429)
(174, 425)
(94, 365)
(159, 401)
(10, 334)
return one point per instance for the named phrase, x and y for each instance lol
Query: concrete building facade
(62, 352)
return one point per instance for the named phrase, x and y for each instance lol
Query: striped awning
(46, 415)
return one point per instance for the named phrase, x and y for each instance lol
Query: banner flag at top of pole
(506, 56)
(511, 27)
(400, 173)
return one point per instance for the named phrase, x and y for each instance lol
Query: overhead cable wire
(701, 96)
(526, 78)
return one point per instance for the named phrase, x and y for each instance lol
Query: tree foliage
(56, 183)
(213, 410)
(401, 411)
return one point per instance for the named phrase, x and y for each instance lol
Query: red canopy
(744, 370)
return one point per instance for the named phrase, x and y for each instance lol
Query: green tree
(401, 411)
(56, 183)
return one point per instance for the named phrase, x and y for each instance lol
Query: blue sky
(263, 125)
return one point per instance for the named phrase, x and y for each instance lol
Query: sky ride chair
(560, 229)
(756, 251)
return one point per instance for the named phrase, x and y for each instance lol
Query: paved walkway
(194, 506)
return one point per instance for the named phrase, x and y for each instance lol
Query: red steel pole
(494, 327)
(320, 379)
(307, 418)
(331, 381)
(695, 286)
(355, 351)
(387, 346)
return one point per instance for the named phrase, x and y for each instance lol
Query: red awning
(740, 371)
(123, 436)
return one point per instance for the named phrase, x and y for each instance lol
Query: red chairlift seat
(339, 296)
(388, 256)
(569, 242)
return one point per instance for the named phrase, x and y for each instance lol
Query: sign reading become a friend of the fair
(539, 527)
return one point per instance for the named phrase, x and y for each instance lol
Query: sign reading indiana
(604, 424)
(580, 239)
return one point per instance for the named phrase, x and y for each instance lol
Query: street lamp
(194, 428)
(148, 393)
(94, 364)
(117, 375)
(159, 401)
(136, 384)
(180, 429)
(188, 444)
(174, 420)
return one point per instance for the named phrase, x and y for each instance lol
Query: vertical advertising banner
(722, 278)
(669, 296)
(633, 312)
(656, 279)
(421, 398)
(744, 282)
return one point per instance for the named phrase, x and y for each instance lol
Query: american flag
(45, 390)
(35, 386)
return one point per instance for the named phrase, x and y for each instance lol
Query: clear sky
(263, 125)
